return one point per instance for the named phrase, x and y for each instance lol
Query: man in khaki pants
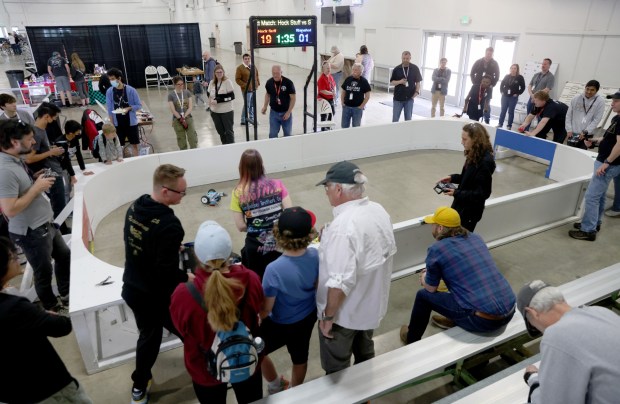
(441, 78)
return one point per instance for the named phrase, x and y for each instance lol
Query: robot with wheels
(212, 197)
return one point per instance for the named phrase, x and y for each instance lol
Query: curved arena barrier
(104, 327)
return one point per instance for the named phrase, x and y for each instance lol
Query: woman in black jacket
(475, 179)
(511, 88)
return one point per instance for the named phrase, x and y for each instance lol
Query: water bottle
(259, 344)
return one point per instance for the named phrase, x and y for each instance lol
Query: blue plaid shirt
(467, 268)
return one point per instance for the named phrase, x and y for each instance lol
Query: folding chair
(323, 107)
(164, 76)
(151, 76)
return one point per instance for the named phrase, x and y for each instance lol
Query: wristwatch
(527, 375)
(326, 318)
(606, 162)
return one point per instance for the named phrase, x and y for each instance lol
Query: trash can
(212, 42)
(238, 50)
(16, 77)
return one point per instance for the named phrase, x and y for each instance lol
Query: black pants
(40, 246)
(224, 125)
(151, 317)
(255, 260)
(246, 392)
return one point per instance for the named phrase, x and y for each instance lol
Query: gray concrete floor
(401, 182)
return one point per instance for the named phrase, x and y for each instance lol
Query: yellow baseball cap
(444, 216)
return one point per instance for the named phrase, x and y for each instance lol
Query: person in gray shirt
(584, 114)
(30, 215)
(579, 348)
(543, 80)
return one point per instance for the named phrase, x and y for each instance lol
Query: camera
(443, 187)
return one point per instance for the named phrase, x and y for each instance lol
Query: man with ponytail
(230, 293)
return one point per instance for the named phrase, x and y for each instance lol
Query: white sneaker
(612, 213)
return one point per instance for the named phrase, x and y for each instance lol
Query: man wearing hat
(480, 298)
(58, 69)
(579, 348)
(289, 283)
(355, 264)
(606, 169)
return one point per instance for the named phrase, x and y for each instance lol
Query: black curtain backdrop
(95, 45)
(168, 45)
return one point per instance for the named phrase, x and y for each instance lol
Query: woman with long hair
(366, 60)
(221, 95)
(255, 190)
(228, 294)
(475, 180)
(78, 72)
(181, 105)
(512, 86)
(26, 329)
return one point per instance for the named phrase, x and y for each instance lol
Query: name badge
(479, 107)
(278, 101)
(438, 86)
(407, 84)
(508, 92)
(350, 96)
(584, 120)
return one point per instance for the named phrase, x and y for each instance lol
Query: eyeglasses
(182, 193)
(219, 71)
(178, 84)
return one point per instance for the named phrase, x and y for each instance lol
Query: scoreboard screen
(278, 32)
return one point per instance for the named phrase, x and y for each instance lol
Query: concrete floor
(401, 183)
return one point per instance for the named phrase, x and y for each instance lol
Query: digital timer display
(278, 32)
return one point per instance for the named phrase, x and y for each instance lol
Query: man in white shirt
(355, 264)
(336, 62)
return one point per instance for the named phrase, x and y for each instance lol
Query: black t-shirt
(282, 91)
(354, 90)
(403, 92)
(556, 112)
(58, 66)
(609, 141)
(120, 101)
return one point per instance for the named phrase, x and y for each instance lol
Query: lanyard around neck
(180, 100)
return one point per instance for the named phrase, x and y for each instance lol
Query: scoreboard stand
(282, 32)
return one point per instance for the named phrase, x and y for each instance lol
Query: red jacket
(191, 320)
(326, 83)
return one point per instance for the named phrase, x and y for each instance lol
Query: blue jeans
(595, 197)
(40, 246)
(337, 78)
(509, 103)
(399, 106)
(276, 120)
(250, 98)
(445, 304)
(351, 114)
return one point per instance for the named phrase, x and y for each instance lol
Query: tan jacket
(242, 75)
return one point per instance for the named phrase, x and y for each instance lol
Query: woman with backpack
(78, 71)
(222, 301)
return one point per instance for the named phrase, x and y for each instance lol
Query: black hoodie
(153, 236)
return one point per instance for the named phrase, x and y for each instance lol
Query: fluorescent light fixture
(357, 2)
